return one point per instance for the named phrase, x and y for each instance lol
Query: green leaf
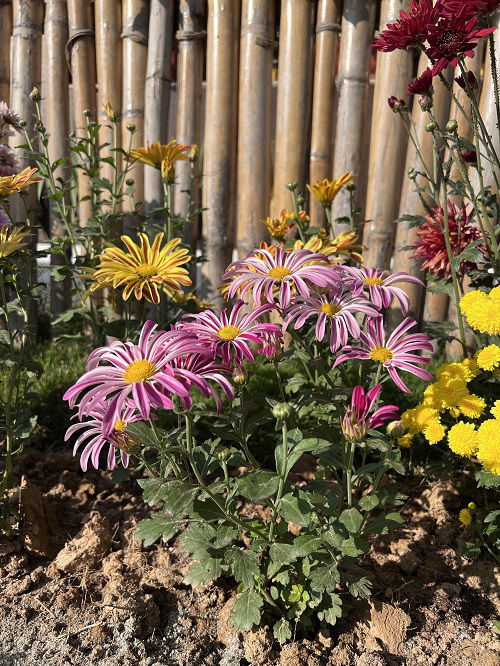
(202, 572)
(368, 502)
(352, 519)
(151, 529)
(176, 494)
(488, 480)
(305, 544)
(282, 553)
(331, 610)
(383, 523)
(246, 610)
(208, 509)
(354, 546)
(257, 485)
(295, 508)
(296, 447)
(324, 577)
(197, 539)
(359, 586)
(244, 564)
(282, 630)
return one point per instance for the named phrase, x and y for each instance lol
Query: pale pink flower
(380, 285)
(358, 421)
(197, 370)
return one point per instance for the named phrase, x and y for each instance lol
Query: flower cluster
(482, 310)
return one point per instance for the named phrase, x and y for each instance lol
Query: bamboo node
(75, 36)
(330, 27)
(135, 35)
(188, 35)
(264, 41)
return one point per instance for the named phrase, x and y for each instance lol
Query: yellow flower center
(146, 271)
(381, 354)
(120, 426)
(371, 282)
(279, 272)
(139, 371)
(229, 332)
(329, 309)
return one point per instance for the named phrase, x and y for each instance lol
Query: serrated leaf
(198, 538)
(208, 509)
(332, 610)
(353, 547)
(257, 485)
(306, 544)
(282, 630)
(246, 610)
(296, 508)
(352, 519)
(151, 529)
(359, 586)
(202, 572)
(324, 577)
(488, 480)
(244, 564)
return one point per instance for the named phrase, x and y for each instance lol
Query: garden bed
(78, 589)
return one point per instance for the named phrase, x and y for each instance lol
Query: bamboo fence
(272, 91)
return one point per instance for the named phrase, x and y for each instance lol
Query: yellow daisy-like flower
(279, 227)
(11, 240)
(325, 190)
(405, 441)
(488, 437)
(454, 371)
(489, 357)
(462, 439)
(495, 410)
(434, 432)
(343, 245)
(17, 182)
(471, 364)
(423, 415)
(145, 269)
(465, 517)
(471, 406)
(161, 157)
(408, 421)
(482, 310)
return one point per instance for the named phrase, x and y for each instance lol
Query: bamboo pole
(358, 19)
(387, 146)
(190, 38)
(157, 91)
(109, 72)
(220, 139)
(135, 15)
(81, 53)
(254, 122)
(292, 118)
(5, 33)
(410, 201)
(55, 93)
(327, 42)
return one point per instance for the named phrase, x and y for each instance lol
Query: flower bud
(39, 127)
(451, 125)
(412, 174)
(113, 116)
(469, 80)
(129, 182)
(469, 156)
(350, 187)
(240, 375)
(426, 103)
(193, 152)
(87, 113)
(131, 127)
(393, 102)
(292, 186)
(35, 95)
(431, 127)
(300, 200)
(282, 411)
(222, 453)
(395, 429)
(22, 124)
(472, 506)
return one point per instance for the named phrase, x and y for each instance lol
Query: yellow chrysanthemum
(161, 157)
(423, 415)
(472, 365)
(465, 517)
(11, 240)
(17, 182)
(489, 357)
(279, 227)
(145, 269)
(454, 371)
(482, 310)
(343, 245)
(462, 439)
(471, 406)
(408, 421)
(488, 437)
(434, 432)
(495, 410)
(325, 190)
(405, 441)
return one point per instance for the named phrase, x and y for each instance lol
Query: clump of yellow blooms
(344, 245)
(449, 397)
(482, 310)
(465, 517)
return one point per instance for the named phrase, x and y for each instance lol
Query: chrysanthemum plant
(220, 454)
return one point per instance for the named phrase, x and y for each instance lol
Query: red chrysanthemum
(431, 245)
(422, 84)
(451, 36)
(411, 28)
(471, 7)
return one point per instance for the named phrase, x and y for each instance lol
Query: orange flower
(325, 190)
(154, 154)
(17, 182)
(279, 227)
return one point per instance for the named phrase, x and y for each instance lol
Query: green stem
(351, 448)
(494, 72)
(282, 478)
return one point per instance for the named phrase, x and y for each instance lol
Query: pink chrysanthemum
(431, 244)
(8, 161)
(265, 273)
(393, 353)
(197, 370)
(272, 346)
(133, 375)
(411, 28)
(380, 285)
(229, 334)
(91, 435)
(335, 309)
(8, 116)
(358, 420)
(453, 35)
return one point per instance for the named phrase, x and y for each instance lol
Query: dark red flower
(472, 7)
(421, 84)
(451, 36)
(470, 78)
(411, 28)
(431, 245)
(396, 104)
(469, 156)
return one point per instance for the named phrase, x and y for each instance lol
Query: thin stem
(282, 478)
(351, 447)
(494, 71)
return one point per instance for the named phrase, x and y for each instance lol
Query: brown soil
(76, 589)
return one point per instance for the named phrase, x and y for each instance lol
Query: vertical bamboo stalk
(254, 120)
(190, 38)
(157, 91)
(135, 50)
(55, 92)
(327, 42)
(220, 112)
(81, 52)
(109, 72)
(410, 201)
(358, 19)
(292, 106)
(5, 33)
(387, 147)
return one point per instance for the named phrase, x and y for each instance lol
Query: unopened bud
(426, 103)
(350, 187)
(412, 174)
(39, 127)
(223, 453)
(396, 104)
(131, 127)
(282, 411)
(431, 127)
(300, 200)
(469, 156)
(113, 116)
(395, 429)
(193, 152)
(240, 375)
(129, 182)
(35, 95)
(292, 186)
(87, 113)
(22, 124)
(472, 506)
(451, 126)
